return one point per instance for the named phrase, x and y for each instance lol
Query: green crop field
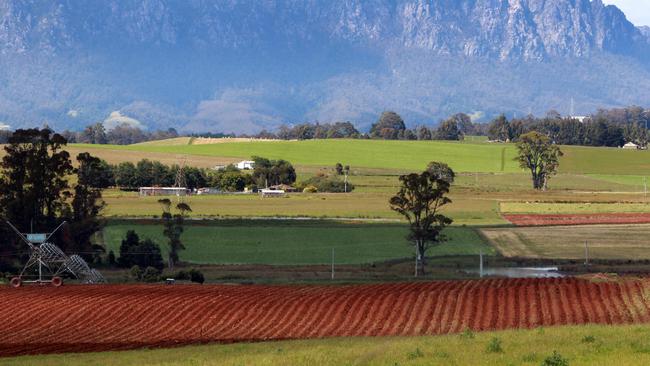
(291, 242)
(404, 155)
(578, 345)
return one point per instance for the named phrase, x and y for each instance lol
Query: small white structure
(163, 191)
(246, 165)
(580, 119)
(271, 193)
(631, 146)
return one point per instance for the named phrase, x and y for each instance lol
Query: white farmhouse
(246, 165)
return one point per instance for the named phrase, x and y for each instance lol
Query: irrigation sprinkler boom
(48, 257)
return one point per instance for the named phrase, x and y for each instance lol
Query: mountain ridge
(236, 66)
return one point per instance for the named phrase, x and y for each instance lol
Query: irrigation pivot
(49, 261)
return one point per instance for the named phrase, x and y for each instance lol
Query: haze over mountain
(240, 66)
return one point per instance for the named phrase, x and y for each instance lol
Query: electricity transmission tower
(180, 182)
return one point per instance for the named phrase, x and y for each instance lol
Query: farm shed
(163, 191)
(246, 165)
(631, 146)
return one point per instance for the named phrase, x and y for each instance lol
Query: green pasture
(292, 242)
(405, 155)
(371, 205)
(397, 155)
(578, 345)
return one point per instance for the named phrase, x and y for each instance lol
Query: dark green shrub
(150, 275)
(196, 276)
(494, 346)
(555, 360)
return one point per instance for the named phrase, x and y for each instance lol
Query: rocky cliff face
(526, 29)
(117, 51)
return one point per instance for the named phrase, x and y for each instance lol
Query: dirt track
(115, 317)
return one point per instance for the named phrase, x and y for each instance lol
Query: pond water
(519, 272)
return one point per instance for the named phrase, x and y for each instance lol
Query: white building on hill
(246, 165)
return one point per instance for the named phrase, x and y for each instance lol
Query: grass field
(400, 155)
(373, 205)
(579, 345)
(291, 242)
(404, 155)
(604, 241)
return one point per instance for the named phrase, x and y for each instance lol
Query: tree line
(611, 128)
(122, 134)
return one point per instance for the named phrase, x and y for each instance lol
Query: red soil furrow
(258, 315)
(580, 313)
(100, 318)
(500, 307)
(335, 315)
(628, 294)
(477, 308)
(537, 305)
(470, 290)
(413, 308)
(222, 328)
(435, 323)
(577, 219)
(584, 298)
(415, 316)
(602, 302)
(301, 311)
(639, 295)
(553, 310)
(427, 319)
(350, 321)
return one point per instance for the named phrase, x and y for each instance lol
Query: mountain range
(242, 66)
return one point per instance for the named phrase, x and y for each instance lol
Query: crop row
(110, 317)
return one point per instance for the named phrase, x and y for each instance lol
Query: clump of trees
(147, 173)
(308, 131)
(122, 134)
(420, 200)
(611, 128)
(35, 193)
(273, 172)
(230, 179)
(141, 253)
(537, 154)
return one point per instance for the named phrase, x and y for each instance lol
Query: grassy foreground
(579, 345)
(291, 242)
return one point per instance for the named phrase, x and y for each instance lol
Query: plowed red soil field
(114, 317)
(578, 219)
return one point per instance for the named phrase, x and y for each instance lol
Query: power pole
(480, 265)
(332, 263)
(586, 254)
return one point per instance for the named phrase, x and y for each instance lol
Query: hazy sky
(637, 11)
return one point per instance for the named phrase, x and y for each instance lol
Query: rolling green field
(578, 345)
(291, 242)
(405, 155)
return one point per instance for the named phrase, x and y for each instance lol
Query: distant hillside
(240, 66)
